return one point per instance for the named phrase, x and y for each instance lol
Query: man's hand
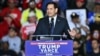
(72, 33)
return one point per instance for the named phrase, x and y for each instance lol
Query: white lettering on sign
(49, 48)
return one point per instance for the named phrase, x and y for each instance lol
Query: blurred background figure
(94, 35)
(38, 3)
(29, 27)
(96, 10)
(96, 24)
(5, 51)
(80, 4)
(13, 11)
(97, 7)
(95, 48)
(76, 24)
(32, 7)
(13, 39)
(77, 51)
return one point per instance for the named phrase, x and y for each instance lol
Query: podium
(49, 48)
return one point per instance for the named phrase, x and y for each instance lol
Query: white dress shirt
(55, 18)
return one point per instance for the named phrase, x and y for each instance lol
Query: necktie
(52, 26)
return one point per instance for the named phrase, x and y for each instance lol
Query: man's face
(79, 4)
(11, 4)
(32, 4)
(12, 33)
(76, 44)
(96, 34)
(51, 10)
(95, 44)
(76, 20)
(32, 19)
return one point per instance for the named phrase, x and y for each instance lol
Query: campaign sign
(49, 48)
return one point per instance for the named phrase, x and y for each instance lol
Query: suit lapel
(47, 24)
(57, 24)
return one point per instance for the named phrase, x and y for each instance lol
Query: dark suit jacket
(61, 27)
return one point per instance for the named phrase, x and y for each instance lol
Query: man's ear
(56, 10)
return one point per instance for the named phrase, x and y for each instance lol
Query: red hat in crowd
(82, 1)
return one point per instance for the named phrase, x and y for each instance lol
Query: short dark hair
(14, 29)
(53, 3)
(96, 40)
(5, 42)
(76, 41)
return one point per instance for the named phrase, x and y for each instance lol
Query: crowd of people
(19, 19)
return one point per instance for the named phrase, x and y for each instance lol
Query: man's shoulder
(58, 17)
(62, 18)
(44, 18)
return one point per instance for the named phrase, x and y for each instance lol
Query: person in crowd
(29, 27)
(96, 24)
(12, 10)
(32, 7)
(13, 39)
(97, 7)
(88, 44)
(75, 23)
(95, 48)
(77, 4)
(79, 37)
(94, 35)
(5, 51)
(38, 4)
(8, 18)
(92, 15)
(77, 51)
(80, 4)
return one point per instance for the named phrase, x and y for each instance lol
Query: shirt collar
(55, 17)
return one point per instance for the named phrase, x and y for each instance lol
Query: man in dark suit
(53, 24)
